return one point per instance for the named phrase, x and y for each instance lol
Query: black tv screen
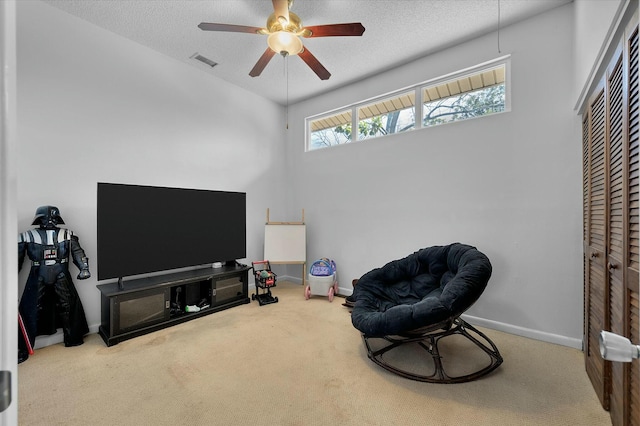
(144, 229)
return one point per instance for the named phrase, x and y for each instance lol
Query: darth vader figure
(50, 300)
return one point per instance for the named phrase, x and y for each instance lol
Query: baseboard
(297, 280)
(288, 278)
(525, 332)
(43, 341)
(58, 337)
(494, 325)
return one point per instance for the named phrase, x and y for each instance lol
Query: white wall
(509, 184)
(95, 107)
(593, 28)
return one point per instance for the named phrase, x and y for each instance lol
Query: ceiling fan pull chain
(499, 27)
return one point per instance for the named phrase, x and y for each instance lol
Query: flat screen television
(144, 229)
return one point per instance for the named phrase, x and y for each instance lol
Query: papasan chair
(407, 308)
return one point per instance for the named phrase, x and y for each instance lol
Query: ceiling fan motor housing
(274, 23)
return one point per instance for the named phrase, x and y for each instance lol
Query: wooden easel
(285, 243)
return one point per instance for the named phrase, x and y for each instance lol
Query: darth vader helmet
(47, 217)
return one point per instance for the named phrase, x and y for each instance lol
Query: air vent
(207, 61)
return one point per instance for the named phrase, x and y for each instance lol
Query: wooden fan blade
(314, 64)
(281, 8)
(208, 26)
(262, 62)
(332, 30)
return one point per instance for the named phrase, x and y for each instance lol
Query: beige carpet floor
(296, 362)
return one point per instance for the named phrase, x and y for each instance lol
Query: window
(475, 92)
(392, 115)
(334, 129)
(465, 97)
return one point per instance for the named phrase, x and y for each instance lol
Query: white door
(8, 217)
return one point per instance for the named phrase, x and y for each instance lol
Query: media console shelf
(149, 304)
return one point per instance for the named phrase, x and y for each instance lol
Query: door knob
(611, 266)
(594, 254)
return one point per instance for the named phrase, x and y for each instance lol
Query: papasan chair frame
(419, 300)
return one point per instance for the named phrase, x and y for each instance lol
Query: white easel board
(285, 243)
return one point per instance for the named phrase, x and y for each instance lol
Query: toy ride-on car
(322, 279)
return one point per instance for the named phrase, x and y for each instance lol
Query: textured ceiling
(396, 32)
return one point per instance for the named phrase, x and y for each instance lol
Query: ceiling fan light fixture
(285, 42)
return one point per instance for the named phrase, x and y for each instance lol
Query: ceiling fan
(284, 29)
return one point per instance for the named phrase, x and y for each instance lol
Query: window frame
(503, 61)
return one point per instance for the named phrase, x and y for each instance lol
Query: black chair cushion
(427, 287)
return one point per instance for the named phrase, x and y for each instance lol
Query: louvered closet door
(632, 406)
(618, 315)
(611, 230)
(623, 247)
(596, 292)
